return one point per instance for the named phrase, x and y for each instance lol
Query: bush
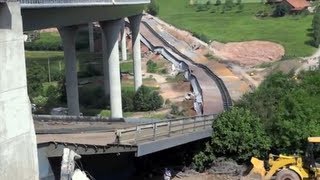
(151, 67)
(40, 101)
(153, 8)
(36, 75)
(316, 28)
(127, 101)
(203, 159)
(201, 7)
(289, 108)
(146, 99)
(201, 36)
(218, 2)
(228, 5)
(53, 94)
(175, 110)
(281, 10)
(238, 134)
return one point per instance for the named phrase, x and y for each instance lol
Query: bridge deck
(102, 137)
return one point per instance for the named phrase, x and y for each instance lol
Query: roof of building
(298, 4)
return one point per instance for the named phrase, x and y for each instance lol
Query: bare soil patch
(249, 53)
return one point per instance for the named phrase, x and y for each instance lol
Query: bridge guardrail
(66, 3)
(162, 129)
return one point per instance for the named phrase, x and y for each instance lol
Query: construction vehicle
(282, 167)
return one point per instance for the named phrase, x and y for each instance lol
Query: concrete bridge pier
(68, 36)
(111, 30)
(91, 37)
(123, 43)
(135, 28)
(105, 65)
(18, 147)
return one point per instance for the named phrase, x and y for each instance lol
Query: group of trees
(228, 5)
(146, 99)
(277, 117)
(153, 8)
(316, 27)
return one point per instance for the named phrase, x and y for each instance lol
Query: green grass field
(57, 59)
(289, 31)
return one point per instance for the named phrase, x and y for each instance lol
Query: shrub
(201, 7)
(316, 28)
(203, 159)
(218, 2)
(151, 67)
(175, 110)
(40, 101)
(289, 108)
(36, 75)
(228, 5)
(127, 101)
(201, 36)
(53, 94)
(153, 8)
(145, 99)
(281, 10)
(238, 134)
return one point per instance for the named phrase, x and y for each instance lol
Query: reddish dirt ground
(249, 53)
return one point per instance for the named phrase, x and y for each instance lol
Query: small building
(297, 5)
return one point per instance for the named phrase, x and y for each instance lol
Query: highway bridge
(18, 146)
(87, 135)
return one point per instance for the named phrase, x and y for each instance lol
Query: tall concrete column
(91, 38)
(105, 64)
(123, 43)
(68, 36)
(111, 30)
(18, 146)
(135, 28)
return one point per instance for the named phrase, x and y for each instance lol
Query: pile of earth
(248, 53)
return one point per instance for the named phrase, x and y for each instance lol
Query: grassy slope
(291, 32)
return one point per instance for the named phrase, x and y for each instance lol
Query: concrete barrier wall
(182, 67)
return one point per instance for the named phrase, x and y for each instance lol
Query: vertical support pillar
(18, 146)
(123, 42)
(105, 65)
(68, 36)
(111, 30)
(91, 38)
(135, 28)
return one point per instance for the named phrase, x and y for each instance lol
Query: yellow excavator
(282, 167)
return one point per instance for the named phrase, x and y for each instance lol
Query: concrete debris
(222, 166)
(79, 175)
(68, 164)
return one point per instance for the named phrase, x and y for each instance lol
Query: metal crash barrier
(162, 129)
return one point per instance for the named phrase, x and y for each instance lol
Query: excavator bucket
(258, 171)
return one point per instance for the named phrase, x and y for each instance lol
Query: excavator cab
(311, 160)
(290, 167)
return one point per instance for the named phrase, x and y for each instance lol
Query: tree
(288, 107)
(36, 75)
(239, 134)
(228, 5)
(153, 8)
(281, 10)
(316, 27)
(146, 99)
(218, 2)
